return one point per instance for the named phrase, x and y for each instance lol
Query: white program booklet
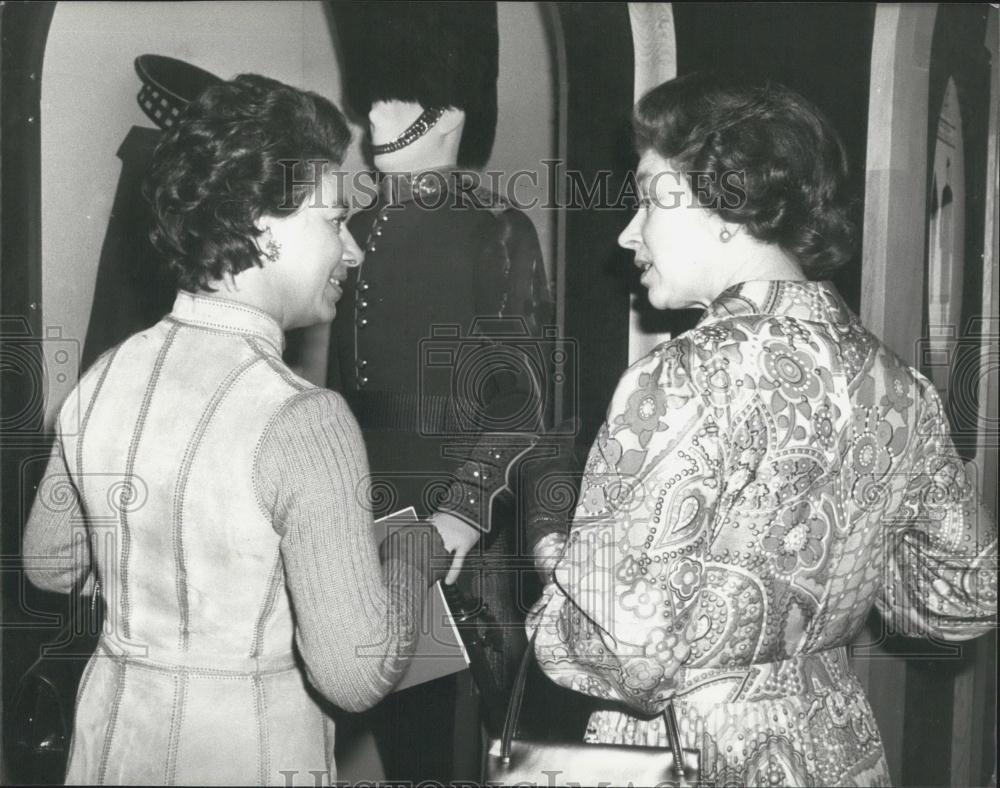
(439, 651)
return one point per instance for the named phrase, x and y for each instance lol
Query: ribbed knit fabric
(357, 622)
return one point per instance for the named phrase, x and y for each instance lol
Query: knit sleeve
(56, 551)
(356, 620)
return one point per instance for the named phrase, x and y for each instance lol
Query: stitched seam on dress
(234, 675)
(215, 673)
(176, 722)
(278, 366)
(183, 636)
(222, 329)
(263, 745)
(85, 421)
(223, 302)
(130, 467)
(109, 732)
(266, 608)
(299, 388)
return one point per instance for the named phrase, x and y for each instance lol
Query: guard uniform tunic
(450, 274)
(440, 351)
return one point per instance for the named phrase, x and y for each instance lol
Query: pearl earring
(725, 236)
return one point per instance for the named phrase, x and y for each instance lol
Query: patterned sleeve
(606, 625)
(515, 298)
(941, 567)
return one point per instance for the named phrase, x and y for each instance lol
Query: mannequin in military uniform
(436, 345)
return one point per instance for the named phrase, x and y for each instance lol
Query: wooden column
(892, 273)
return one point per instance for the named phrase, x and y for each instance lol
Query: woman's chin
(658, 299)
(328, 314)
(327, 310)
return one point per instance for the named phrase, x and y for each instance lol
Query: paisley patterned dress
(760, 482)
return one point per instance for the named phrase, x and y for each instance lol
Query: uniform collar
(221, 314)
(814, 301)
(396, 188)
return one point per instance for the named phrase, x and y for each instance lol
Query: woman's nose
(353, 256)
(630, 238)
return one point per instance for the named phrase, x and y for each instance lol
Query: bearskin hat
(438, 54)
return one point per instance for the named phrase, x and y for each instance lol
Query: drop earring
(725, 236)
(272, 249)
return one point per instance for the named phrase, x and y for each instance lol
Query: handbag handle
(517, 696)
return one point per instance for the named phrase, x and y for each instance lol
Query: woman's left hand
(459, 538)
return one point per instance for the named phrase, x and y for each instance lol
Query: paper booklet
(440, 651)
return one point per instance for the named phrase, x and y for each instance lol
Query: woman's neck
(250, 288)
(763, 262)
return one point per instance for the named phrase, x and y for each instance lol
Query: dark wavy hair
(242, 149)
(787, 158)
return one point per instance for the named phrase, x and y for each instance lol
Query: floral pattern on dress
(646, 407)
(760, 483)
(798, 540)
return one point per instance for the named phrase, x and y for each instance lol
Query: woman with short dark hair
(762, 480)
(220, 500)
(252, 148)
(763, 157)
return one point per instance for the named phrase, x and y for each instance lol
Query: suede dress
(220, 502)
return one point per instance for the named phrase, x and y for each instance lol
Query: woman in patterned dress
(761, 480)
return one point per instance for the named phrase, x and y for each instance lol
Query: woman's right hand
(458, 538)
(420, 546)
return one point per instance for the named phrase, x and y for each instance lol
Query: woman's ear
(263, 223)
(267, 244)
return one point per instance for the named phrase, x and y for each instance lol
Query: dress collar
(222, 314)
(814, 301)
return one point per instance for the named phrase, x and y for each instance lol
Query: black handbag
(513, 761)
(39, 725)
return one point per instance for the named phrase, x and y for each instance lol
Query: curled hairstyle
(242, 149)
(788, 160)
